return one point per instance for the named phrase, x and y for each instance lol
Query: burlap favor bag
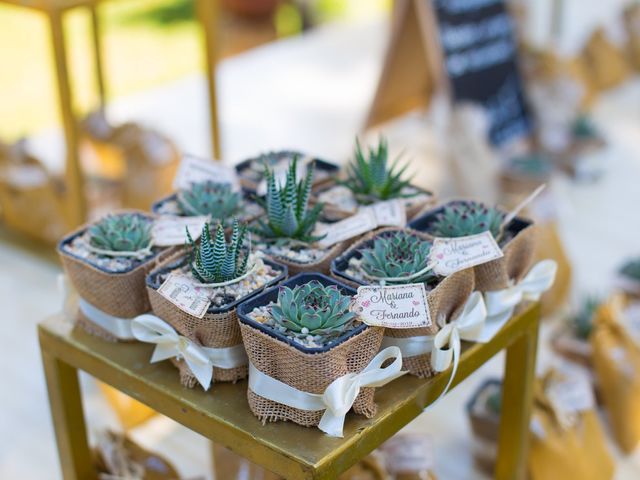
(119, 294)
(606, 62)
(218, 328)
(483, 410)
(566, 446)
(446, 299)
(616, 358)
(309, 370)
(518, 247)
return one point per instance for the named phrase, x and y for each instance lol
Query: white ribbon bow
(169, 344)
(502, 303)
(339, 396)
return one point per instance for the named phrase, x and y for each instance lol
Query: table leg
(516, 404)
(97, 53)
(208, 14)
(65, 402)
(74, 198)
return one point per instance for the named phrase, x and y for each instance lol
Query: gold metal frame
(75, 204)
(223, 416)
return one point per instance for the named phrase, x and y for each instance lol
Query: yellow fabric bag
(549, 245)
(606, 63)
(616, 358)
(565, 446)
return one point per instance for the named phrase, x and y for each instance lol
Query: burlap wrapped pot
(518, 249)
(119, 294)
(446, 299)
(218, 328)
(310, 370)
(485, 425)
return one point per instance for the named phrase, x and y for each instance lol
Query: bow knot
(169, 344)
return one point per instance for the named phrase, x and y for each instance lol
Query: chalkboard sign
(480, 56)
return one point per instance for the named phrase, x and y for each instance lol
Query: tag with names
(572, 394)
(454, 254)
(393, 306)
(362, 222)
(195, 170)
(169, 231)
(180, 290)
(390, 213)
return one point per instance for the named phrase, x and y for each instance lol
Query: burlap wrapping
(519, 254)
(215, 330)
(446, 301)
(616, 359)
(308, 372)
(121, 295)
(323, 265)
(576, 452)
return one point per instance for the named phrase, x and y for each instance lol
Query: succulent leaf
(210, 198)
(127, 232)
(462, 218)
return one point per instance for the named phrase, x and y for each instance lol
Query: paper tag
(195, 170)
(390, 213)
(409, 452)
(454, 254)
(168, 231)
(180, 290)
(571, 394)
(393, 306)
(362, 222)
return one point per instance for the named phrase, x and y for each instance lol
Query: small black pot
(250, 185)
(271, 295)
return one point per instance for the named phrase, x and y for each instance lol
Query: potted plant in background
(106, 262)
(628, 278)
(396, 256)
(304, 335)
(371, 179)
(218, 201)
(287, 232)
(483, 411)
(227, 273)
(252, 172)
(572, 341)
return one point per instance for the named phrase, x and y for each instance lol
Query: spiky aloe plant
(314, 309)
(127, 232)
(631, 269)
(397, 255)
(372, 179)
(583, 320)
(287, 206)
(462, 218)
(216, 261)
(209, 198)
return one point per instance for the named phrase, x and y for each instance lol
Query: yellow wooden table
(55, 11)
(292, 451)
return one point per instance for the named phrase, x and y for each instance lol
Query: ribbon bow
(339, 396)
(342, 392)
(149, 328)
(502, 303)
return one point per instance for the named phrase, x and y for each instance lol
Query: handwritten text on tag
(195, 170)
(454, 254)
(362, 222)
(180, 290)
(390, 213)
(168, 231)
(393, 306)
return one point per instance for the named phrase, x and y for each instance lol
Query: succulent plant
(583, 320)
(372, 179)
(462, 218)
(215, 261)
(631, 269)
(287, 207)
(313, 309)
(583, 127)
(400, 254)
(209, 198)
(127, 232)
(531, 164)
(494, 401)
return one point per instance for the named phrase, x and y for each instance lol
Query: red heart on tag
(416, 302)
(440, 256)
(366, 303)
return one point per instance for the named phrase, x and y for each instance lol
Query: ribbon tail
(163, 351)
(456, 347)
(202, 370)
(332, 424)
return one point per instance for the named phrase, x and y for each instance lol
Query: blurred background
(99, 101)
